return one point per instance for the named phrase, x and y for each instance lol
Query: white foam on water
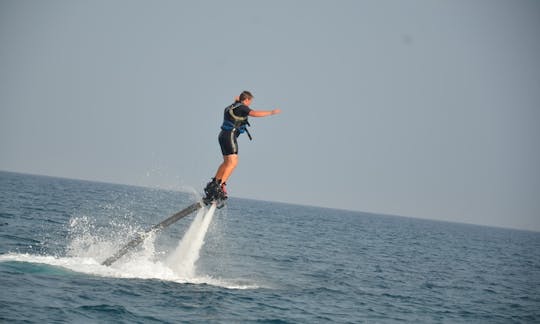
(86, 254)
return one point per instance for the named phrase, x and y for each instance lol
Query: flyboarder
(235, 122)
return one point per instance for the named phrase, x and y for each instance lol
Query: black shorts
(228, 143)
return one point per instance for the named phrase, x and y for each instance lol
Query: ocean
(252, 261)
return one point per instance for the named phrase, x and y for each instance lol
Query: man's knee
(231, 160)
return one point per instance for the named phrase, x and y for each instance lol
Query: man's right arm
(264, 113)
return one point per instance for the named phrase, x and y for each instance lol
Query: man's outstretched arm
(264, 113)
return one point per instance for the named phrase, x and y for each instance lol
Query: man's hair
(245, 95)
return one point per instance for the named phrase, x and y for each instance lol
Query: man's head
(245, 98)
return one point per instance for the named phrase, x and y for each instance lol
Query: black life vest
(231, 121)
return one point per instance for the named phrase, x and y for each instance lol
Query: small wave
(87, 249)
(132, 269)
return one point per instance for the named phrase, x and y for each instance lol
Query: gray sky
(428, 108)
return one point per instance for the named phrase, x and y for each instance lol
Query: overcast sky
(428, 108)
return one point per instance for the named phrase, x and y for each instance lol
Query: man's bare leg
(227, 167)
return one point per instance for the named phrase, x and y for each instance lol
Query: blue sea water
(253, 261)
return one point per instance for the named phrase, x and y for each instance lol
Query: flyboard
(164, 224)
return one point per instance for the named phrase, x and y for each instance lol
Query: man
(235, 122)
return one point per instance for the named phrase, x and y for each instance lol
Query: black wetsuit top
(227, 136)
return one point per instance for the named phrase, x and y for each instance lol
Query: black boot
(212, 191)
(223, 191)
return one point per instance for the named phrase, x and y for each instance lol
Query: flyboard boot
(224, 191)
(214, 193)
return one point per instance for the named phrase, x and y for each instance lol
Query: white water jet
(182, 260)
